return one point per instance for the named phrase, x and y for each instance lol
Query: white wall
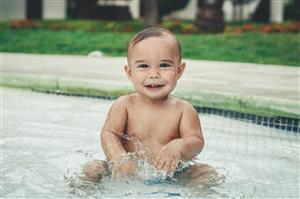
(277, 11)
(247, 10)
(134, 8)
(54, 9)
(12, 9)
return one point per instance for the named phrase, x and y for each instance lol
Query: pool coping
(46, 84)
(278, 122)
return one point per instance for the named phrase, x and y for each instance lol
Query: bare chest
(154, 127)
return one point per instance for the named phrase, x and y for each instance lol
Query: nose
(154, 73)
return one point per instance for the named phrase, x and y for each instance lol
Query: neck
(159, 101)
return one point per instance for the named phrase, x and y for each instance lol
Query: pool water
(46, 139)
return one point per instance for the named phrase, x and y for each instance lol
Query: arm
(113, 129)
(189, 145)
(191, 134)
(111, 133)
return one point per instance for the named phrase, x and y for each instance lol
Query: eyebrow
(139, 61)
(168, 60)
(164, 60)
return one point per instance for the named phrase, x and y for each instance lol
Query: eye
(143, 66)
(164, 65)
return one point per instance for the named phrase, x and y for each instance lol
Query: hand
(123, 167)
(169, 156)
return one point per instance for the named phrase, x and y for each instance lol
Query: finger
(161, 162)
(114, 174)
(162, 152)
(171, 167)
(157, 160)
(168, 165)
(154, 162)
(174, 166)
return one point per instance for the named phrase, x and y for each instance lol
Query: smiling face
(154, 66)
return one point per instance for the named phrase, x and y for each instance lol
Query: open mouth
(152, 86)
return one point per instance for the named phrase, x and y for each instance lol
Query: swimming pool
(46, 139)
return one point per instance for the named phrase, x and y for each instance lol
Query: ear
(181, 68)
(127, 71)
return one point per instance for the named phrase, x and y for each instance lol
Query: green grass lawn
(253, 47)
(81, 37)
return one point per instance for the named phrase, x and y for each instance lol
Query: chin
(157, 97)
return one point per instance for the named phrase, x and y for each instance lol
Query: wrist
(179, 144)
(123, 156)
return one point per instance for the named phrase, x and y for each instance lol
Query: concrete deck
(262, 81)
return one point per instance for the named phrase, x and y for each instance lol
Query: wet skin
(167, 126)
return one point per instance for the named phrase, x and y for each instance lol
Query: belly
(147, 150)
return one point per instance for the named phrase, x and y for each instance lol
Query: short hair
(152, 32)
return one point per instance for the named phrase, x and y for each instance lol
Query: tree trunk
(210, 17)
(262, 12)
(150, 9)
(86, 9)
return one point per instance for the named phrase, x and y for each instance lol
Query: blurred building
(232, 12)
(120, 9)
(33, 9)
(62, 9)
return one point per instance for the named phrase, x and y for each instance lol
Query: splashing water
(143, 156)
(146, 174)
(42, 157)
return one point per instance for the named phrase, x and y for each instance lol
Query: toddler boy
(165, 125)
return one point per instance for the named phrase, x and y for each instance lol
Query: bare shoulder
(117, 115)
(185, 106)
(190, 121)
(124, 101)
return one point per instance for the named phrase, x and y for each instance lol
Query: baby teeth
(153, 85)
